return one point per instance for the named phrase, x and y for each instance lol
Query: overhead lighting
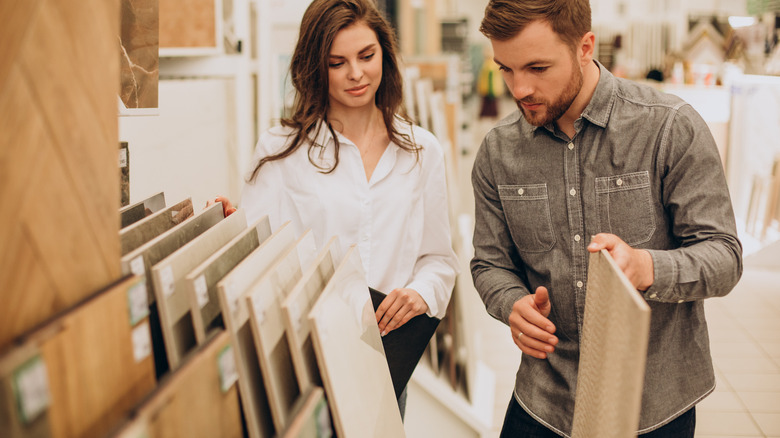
(736, 21)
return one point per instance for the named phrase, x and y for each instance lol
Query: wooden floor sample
(168, 277)
(263, 300)
(58, 162)
(97, 361)
(311, 417)
(613, 352)
(201, 282)
(146, 229)
(351, 357)
(231, 291)
(297, 306)
(199, 399)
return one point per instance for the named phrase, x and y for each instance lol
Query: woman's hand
(398, 307)
(227, 206)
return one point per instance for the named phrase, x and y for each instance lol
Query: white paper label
(226, 363)
(201, 291)
(138, 302)
(232, 299)
(122, 158)
(259, 305)
(31, 385)
(142, 342)
(295, 315)
(137, 266)
(166, 281)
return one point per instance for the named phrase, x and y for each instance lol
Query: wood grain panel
(188, 23)
(615, 332)
(193, 401)
(58, 163)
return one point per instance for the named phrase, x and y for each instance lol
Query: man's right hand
(531, 331)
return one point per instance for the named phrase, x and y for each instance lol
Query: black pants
(517, 424)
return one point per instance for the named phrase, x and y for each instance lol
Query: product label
(201, 291)
(166, 281)
(226, 363)
(137, 266)
(137, 301)
(142, 342)
(122, 158)
(31, 388)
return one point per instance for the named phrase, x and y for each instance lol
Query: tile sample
(231, 290)
(359, 390)
(311, 418)
(201, 282)
(199, 399)
(151, 226)
(263, 300)
(139, 45)
(130, 214)
(168, 274)
(93, 364)
(615, 333)
(189, 23)
(296, 307)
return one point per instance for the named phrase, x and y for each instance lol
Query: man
(588, 154)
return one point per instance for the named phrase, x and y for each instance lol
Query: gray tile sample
(151, 226)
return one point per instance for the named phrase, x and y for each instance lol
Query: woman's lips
(358, 91)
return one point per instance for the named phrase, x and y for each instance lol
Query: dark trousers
(517, 424)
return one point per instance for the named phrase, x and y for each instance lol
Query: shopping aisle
(744, 335)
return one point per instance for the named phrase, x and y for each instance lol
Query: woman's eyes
(340, 63)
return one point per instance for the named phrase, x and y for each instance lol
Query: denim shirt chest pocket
(625, 207)
(527, 211)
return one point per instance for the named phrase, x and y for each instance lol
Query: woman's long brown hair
(321, 22)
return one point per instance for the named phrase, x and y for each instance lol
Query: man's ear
(587, 48)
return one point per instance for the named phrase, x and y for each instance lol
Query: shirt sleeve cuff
(664, 274)
(426, 292)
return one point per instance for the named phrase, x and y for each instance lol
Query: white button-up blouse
(398, 219)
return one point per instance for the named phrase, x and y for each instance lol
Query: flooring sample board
(24, 394)
(613, 352)
(231, 291)
(263, 300)
(124, 174)
(199, 399)
(351, 357)
(201, 282)
(140, 261)
(172, 299)
(296, 307)
(311, 418)
(86, 368)
(59, 217)
(151, 226)
(405, 345)
(132, 213)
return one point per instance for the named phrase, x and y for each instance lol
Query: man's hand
(637, 264)
(398, 307)
(531, 330)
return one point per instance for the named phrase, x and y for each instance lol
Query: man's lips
(530, 106)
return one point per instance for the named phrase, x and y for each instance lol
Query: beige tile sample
(231, 291)
(613, 352)
(311, 418)
(263, 300)
(201, 282)
(296, 307)
(351, 357)
(151, 226)
(168, 278)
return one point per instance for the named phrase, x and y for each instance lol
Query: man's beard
(555, 109)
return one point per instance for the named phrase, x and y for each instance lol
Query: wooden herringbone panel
(59, 182)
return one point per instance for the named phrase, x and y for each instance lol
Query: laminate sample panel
(613, 352)
(231, 291)
(297, 306)
(151, 226)
(351, 358)
(201, 282)
(97, 361)
(263, 300)
(168, 276)
(152, 204)
(199, 399)
(58, 162)
(312, 418)
(189, 23)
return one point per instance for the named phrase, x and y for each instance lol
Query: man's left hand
(637, 264)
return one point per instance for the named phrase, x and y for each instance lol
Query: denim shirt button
(680, 301)
(571, 146)
(577, 238)
(579, 284)
(619, 182)
(654, 296)
(520, 191)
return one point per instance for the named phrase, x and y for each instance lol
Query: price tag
(226, 363)
(31, 388)
(122, 158)
(142, 342)
(166, 281)
(137, 266)
(201, 291)
(137, 301)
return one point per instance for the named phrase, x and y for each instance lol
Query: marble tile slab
(201, 282)
(613, 352)
(168, 277)
(351, 357)
(139, 46)
(231, 291)
(263, 300)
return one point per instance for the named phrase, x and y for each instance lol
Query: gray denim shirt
(642, 165)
